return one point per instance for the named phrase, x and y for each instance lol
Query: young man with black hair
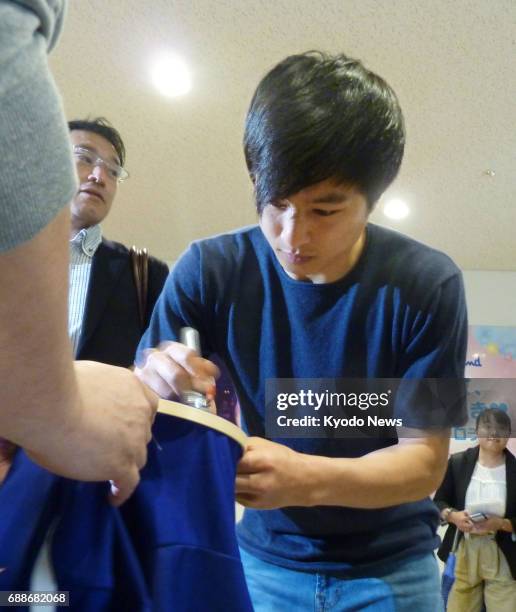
(316, 291)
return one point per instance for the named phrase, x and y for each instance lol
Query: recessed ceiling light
(170, 75)
(395, 209)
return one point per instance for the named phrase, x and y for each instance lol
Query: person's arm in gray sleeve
(86, 420)
(38, 176)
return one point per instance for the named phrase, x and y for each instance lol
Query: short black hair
(316, 116)
(496, 419)
(102, 127)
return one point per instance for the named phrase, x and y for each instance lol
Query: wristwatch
(445, 514)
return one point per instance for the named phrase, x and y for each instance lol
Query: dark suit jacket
(111, 327)
(452, 494)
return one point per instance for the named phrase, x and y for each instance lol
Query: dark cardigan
(452, 494)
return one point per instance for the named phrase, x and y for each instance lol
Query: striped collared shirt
(82, 248)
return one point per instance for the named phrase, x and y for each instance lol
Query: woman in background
(478, 497)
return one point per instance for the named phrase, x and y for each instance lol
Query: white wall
(491, 297)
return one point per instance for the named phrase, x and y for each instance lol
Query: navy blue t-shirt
(400, 312)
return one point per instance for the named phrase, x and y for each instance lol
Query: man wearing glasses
(104, 320)
(83, 420)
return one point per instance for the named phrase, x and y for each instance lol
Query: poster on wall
(491, 352)
(491, 370)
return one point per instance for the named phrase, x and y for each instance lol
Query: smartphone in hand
(477, 517)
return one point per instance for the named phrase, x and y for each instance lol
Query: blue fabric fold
(171, 547)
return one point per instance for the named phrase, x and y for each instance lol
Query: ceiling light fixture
(170, 75)
(396, 209)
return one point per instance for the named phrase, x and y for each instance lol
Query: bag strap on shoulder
(140, 265)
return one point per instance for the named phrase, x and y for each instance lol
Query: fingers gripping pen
(190, 337)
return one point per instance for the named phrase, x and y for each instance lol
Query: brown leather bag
(140, 264)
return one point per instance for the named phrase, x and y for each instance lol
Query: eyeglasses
(489, 432)
(91, 159)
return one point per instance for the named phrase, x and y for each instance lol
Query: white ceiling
(452, 63)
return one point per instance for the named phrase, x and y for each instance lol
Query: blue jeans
(410, 585)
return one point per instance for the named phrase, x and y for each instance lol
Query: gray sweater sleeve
(38, 176)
